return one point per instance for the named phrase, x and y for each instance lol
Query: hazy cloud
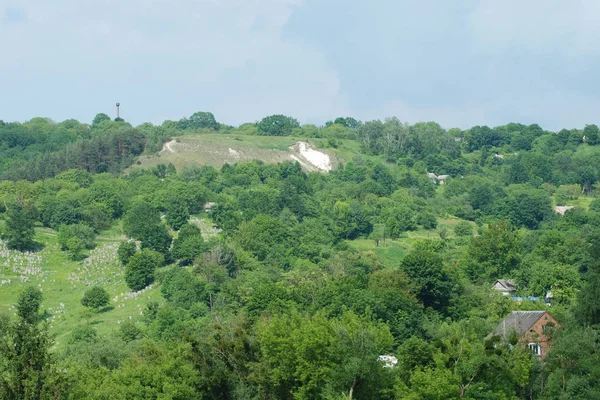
(459, 63)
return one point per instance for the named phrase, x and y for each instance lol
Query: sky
(459, 63)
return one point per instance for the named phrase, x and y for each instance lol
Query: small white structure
(208, 206)
(507, 287)
(441, 179)
(388, 361)
(500, 156)
(563, 209)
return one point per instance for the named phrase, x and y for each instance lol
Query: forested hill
(129, 270)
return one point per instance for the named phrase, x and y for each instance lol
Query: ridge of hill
(218, 149)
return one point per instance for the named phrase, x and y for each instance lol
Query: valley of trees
(311, 277)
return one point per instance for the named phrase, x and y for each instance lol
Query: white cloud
(558, 26)
(163, 59)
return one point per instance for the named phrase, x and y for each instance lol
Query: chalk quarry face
(310, 158)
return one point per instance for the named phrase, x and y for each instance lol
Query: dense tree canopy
(258, 280)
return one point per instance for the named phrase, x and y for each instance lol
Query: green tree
(427, 220)
(203, 119)
(463, 228)
(129, 331)
(188, 245)
(588, 300)
(75, 238)
(126, 251)
(425, 267)
(177, 214)
(95, 298)
(99, 118)
(277, 125)
(494, 254)
(181, 288)
(26, 371)
(158, 238)
(592, 134)
(19, 232)
(138, 218)
(139, 272)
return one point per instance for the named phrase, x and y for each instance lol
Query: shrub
(139, 272)
(95, 298)
(76, 238)
(463, 228)
(126, 251)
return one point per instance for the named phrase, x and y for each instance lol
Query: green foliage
(83, 334)
(299, 295)
(139, 218)
(81, 177)
(425, 267)
(126, 251)
(188, 245)
(157, 238)
(277, 125)
(427, 220)
(100, 118)
(313, 357)
(129, 331)
(495, 253)
(95, 298)
(463, 228)
(26, 365)
(199, 120)
(177, 214)
(75, 239)
(18, 230)
(181, 289)
(139, 272)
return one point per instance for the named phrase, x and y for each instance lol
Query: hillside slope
(216, 150)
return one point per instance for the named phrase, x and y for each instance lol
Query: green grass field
(63, 283)
(394, 250)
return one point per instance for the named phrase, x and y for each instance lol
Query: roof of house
(507, 284)
(563, 209)
(431, 175)
(442, 177)
(518, 321)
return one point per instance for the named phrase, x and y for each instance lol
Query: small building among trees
(507, 287)
(529, 328)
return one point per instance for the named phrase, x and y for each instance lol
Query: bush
(126, 251)
(427, 220)
(595, 205)
(177, 214)
(76, 238)
(83, 334)
(463, 228)
(138, 218)
(95, 298)
(188, 245)
(566, 193)
(129, 331)
(139, 272)
(157, 238)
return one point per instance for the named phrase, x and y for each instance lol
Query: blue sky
(460, 62)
